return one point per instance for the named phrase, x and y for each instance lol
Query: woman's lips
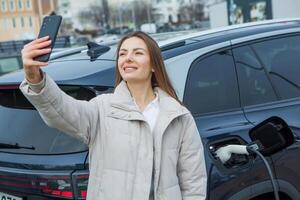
(129, 69)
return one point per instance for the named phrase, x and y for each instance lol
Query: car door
(268, 74)
(212, 96)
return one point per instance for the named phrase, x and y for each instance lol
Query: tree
(106, 13)
(127, 13)
(193, 11)
(92, 17)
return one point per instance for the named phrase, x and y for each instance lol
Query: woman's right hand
(29, 52)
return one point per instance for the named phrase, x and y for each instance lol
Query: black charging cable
(275, 189)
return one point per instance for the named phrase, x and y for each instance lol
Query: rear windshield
(12, 97)
(21, 123)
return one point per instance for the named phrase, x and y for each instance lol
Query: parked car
(10, 62)
(106, 37)
(119, 30)
(149, 28)
(10, 53)
(167, 27)
(229, 78)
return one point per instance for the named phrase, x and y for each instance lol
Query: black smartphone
(49, 28)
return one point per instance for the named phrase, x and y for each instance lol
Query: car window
(282, 60)
(212, 84)
(9, 64)
(255, 87)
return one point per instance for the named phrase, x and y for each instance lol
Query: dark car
(230, 79)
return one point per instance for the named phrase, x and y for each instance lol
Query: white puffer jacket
(121, 145)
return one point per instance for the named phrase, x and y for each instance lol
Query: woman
(142, 142)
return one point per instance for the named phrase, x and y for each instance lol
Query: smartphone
(49, 28)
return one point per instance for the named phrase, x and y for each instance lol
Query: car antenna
(95, 50)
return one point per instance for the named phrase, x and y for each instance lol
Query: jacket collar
(123, 100)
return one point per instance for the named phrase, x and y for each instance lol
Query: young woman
(143, 144)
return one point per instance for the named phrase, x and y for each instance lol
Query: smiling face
(134, 61)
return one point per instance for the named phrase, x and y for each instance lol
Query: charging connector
(224, 154)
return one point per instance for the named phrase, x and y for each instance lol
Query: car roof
(255, 27)
(241, 33)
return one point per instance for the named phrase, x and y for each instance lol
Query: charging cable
(224, 154)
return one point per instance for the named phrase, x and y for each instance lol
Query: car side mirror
(274, 134)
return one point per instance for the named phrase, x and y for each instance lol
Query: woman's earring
(152, 70)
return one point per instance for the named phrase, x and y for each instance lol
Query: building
(21, 19)
(177, 11)
(165, 11)
(73, 13)
(228, 12)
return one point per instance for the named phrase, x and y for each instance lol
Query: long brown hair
(159, 77)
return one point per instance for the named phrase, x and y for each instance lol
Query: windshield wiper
(15, 146)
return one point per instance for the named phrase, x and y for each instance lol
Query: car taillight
(48, 185)
(63, 186)
(80, 180)
(56, 186)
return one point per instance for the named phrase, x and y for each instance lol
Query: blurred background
(108, 20)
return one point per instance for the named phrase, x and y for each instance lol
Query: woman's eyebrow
(135, 49)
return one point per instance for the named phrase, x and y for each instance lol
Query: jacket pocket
(117, 185)
(171, 193)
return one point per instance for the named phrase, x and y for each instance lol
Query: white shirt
(151, 112)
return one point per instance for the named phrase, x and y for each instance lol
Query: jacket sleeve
(61, 111)
(191, 163)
